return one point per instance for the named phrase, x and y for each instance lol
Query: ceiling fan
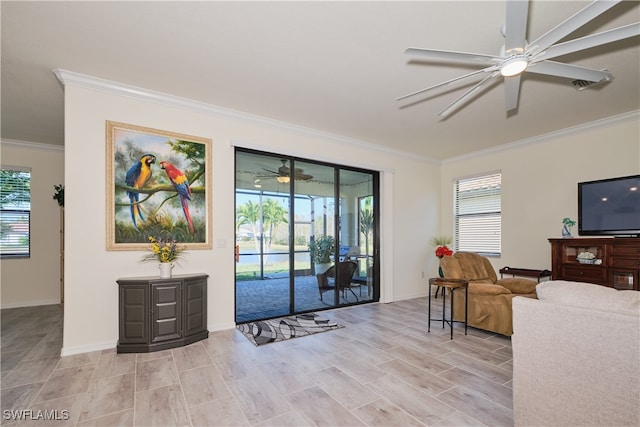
(283, 174)
(517, 56)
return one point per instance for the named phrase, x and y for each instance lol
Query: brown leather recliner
(489, 297)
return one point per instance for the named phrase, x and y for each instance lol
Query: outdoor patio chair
(327, 280)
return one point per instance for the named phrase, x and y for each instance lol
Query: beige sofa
(576, 356)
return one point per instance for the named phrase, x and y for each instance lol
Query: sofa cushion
(472, 265)
(589, 295)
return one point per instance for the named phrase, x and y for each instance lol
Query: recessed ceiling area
(335, 67)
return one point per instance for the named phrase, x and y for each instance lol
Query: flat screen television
(609, 207)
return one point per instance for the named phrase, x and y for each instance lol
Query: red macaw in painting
(137, 176)
(181, 184)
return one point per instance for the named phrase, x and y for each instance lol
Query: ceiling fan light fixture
(514, 65)
(283, 179)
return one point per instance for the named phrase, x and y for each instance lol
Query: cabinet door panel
(196, 315)
(134, 327)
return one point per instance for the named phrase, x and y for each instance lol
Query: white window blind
(15, 212)
(478, 215)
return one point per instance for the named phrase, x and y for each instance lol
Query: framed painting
(159, 185)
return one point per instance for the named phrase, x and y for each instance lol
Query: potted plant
(567, 224)
(321, 249)
(58, 196)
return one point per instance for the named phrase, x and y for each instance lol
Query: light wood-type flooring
(382, 369)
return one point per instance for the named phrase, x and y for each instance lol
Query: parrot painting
(137, 176)
(181, 184)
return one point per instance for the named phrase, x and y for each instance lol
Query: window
(478, 215)
(15, 218)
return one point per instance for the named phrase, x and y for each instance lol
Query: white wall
(36, 280)
(539, 183)
(409, 201)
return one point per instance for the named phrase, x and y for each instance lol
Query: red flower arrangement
(442, 251)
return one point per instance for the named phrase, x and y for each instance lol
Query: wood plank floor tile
(421, 360)
(258, 399)
(156, 373)
(120, 419)
(483, 369)
(191, 356)
(416, 403)
(418, 378)
(284, 376)
(221, 412)
(30, 371)
(343, 388)
(383, 413)
(19, 397)
(480, 385)
(113, 364)
(202, 385)
(108, 395)
(163, 406)
(477, 407)
(322, 409)
(66, 382)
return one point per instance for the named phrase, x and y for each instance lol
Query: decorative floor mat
(283, 328)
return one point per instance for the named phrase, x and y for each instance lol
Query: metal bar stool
(451, 284)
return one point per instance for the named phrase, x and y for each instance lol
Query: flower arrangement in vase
(442, 250)
(165, 252)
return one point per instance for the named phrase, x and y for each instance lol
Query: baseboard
(30, 303)
(221, 327)
(70, 351)
(412, 296)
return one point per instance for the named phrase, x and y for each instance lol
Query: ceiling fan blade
(453, 56)
(571, 24)
(511, 92)
(473, 73)
(516, 26)
(574, 72)
(588, 42)
(468, 95)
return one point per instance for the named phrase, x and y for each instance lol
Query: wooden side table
(451, 284)
(525, 272)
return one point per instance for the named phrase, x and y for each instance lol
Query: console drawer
(626, 263)
(590, 274)
(626, 251)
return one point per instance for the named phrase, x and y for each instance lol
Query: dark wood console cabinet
(157, 314)
(615, 262)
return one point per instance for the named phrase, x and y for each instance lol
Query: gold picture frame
(158, 184)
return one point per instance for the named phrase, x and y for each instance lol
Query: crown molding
(631, 115)
(32, 145)
(94, 83)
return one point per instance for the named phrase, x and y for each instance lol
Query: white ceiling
(336, 67)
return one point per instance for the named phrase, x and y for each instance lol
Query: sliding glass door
(306, 235)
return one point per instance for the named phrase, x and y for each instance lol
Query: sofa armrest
(574, 365)
(518, 285)
(482, 288)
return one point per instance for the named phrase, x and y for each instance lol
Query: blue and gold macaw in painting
(181, 184)
(137, 176)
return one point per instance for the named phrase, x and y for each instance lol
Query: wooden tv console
(615, 262)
